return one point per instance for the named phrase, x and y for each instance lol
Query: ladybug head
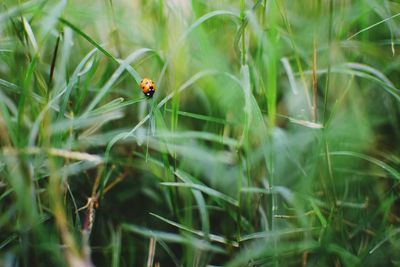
(149, 94)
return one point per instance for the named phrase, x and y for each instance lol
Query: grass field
(273, 138)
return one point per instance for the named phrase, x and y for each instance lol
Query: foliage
(272, 138)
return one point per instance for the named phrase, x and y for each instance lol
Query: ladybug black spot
(149, 94)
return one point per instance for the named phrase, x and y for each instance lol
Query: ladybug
(148, 87)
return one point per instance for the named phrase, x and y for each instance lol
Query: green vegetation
(273, 138)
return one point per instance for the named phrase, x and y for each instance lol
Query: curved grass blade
(245, 73)
(206, 190)
(205, 221)
(390, 235)
(88, 38)
(395, 92)
(371, 70)
(372, 160)
(31, 35)
(198, 135)
(73, 155)
(173, 238)
(265, 249)
(278, 233)
(372, 26)
(202, 117)
(85, 121)
(347, 258)
(212, 237)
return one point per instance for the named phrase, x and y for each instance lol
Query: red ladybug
(148, 87)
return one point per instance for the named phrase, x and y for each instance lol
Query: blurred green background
(272, 139)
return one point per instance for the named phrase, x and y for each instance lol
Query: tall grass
(272, 138)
